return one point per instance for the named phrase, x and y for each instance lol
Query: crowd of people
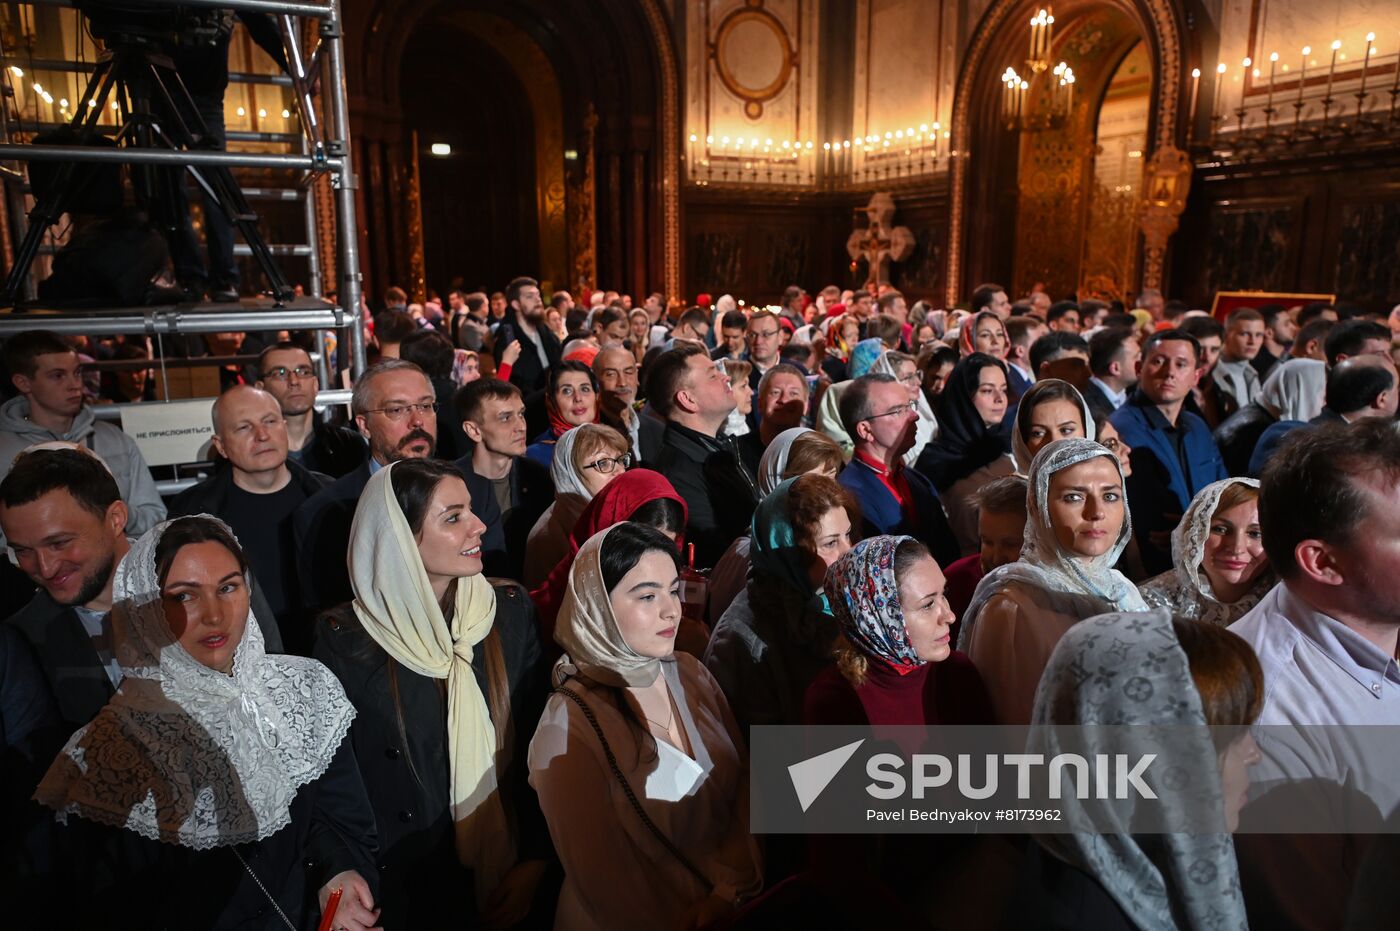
(487, 650)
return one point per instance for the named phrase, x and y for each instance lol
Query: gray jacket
(117, 449)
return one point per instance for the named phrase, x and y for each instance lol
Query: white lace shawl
(1185, 589)
(185, 754)
(1044, 565)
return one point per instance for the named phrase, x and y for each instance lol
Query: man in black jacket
(285, 372)
(540, 349)
(395, 409)
(692, 392)
(255, 489)
(509, 492)
(64, 517)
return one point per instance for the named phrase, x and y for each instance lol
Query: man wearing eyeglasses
(313, 441)
(396, 410)
(880, 419)
(255, 489)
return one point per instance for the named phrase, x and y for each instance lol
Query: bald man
(255, 488)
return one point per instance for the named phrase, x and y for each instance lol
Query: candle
(1244, 83)
(1361, 93)
(1303, 73)
(1219, 83)
(1195, 88)
(1273, 65)
(1332, 69)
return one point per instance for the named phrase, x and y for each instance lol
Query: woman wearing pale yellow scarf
(639, 765)
(444, 672)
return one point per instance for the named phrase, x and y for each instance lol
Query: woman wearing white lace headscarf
(586, 458)
(640, 769)
(1076, 528)
(1295, 389)
(1220, 569)
(198, 794)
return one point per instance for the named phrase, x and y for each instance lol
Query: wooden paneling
(1310, 225)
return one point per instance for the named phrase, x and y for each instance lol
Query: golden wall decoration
(413, 194)
(1166, 182)
(978, 88)
(725, 56)
(582, 211)
(670, 145)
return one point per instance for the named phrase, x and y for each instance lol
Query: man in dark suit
(877, 415)
(689, 389)
(64, 519)
(395, 408)
(509, 492)
(1114, 355)
(1174, 455)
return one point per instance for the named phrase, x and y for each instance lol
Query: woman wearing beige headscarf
(640, 769)
(444, 672)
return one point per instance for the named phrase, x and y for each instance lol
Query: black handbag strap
(627, 788)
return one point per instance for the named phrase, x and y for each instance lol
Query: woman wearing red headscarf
(640, 495)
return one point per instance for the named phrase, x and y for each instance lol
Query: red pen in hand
(328, 914)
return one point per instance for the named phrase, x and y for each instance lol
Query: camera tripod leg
(49, 211)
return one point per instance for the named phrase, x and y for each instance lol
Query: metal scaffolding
(325, 149)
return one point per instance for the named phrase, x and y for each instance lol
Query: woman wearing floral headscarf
(1077, 526)
(895, 663)
(1167, 678)
(639, 766)
(1220, 569)
(197, 796)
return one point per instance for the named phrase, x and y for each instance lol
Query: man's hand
(510, 353)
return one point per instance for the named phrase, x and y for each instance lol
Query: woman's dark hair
(935, 357)
(562, 368)
(184, 531)
(624, 547)
(1227, 675)
(660, 514)
(906, 555)
(414, 481)
(1052, 389)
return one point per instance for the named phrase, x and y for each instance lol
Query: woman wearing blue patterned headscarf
(778, 633)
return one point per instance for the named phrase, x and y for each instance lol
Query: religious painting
(1368, 252)
(1249, 248)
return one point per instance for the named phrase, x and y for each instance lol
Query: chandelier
(1057, 100)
